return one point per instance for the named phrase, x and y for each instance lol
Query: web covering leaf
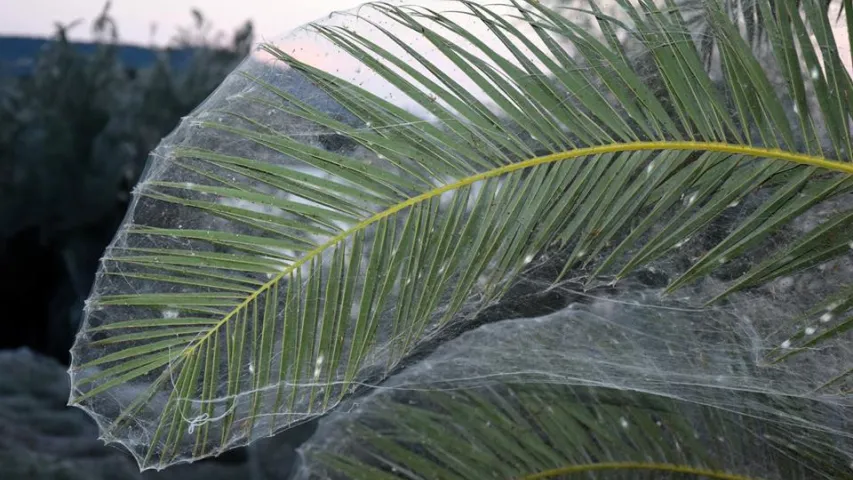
(375, 184)
(609, 385)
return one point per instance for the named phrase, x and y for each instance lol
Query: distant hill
(18, 54)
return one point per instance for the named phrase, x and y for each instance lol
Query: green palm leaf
(747, 14)
(523, 431)
(260, 278)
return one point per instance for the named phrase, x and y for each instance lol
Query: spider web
(623, 336)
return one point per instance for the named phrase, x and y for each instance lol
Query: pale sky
(272, 18)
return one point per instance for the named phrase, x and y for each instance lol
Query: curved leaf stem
(661, 467)
(757, 152)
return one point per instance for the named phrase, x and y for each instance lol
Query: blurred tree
(75, 135)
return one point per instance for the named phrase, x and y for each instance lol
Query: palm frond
(525, 431)
(747, 14)
(260, 278)
(470, 411)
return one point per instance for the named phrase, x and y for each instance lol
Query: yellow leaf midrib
(757, 152)
(659, 467)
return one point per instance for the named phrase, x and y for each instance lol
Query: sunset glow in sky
(272, 18)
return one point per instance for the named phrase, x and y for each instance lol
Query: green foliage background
(74, 136)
